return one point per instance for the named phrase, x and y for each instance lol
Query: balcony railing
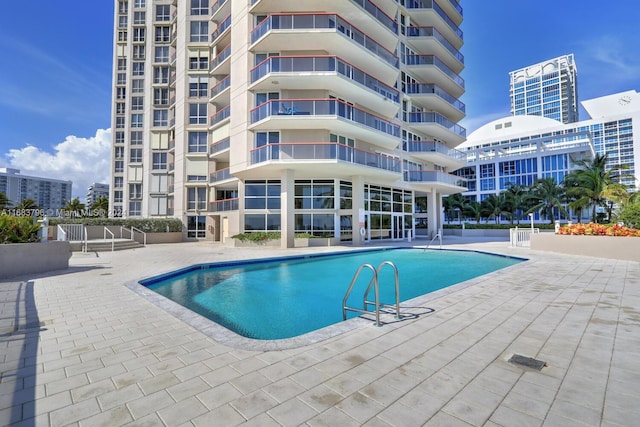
(221, 28)
(218, 4)
(322, 21)
(433, 147)
(323, 107)
(433, 60)
(219, 175)
(222, 85)
(432, 32)
(437, 118)
(431, 4)
(377, 13)
(218, 146)
(219, 59)
(311, 64)
(324, 151)
(220, 116)
(429, 88)
(434, 177)
(223, 205)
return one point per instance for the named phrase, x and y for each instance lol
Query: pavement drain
(527, 362)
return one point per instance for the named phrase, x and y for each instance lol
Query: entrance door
(225, 229)
(397, 227)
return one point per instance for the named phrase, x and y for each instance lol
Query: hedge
(148, 225)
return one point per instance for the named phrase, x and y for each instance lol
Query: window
(196, 178)
(139, 52)
(162, 34)
(123, 7)
(119, 137)
(264, 138)
(135, 155)
(261, 222)
(159, 161)
(139, 18)
(160, 96)
(163, 12)
(118, 166)
(138, 67)
(158, 205)
(123, 21)
(196, 226)
(160, 117)
(198, 86)
(317, 224)
(118, 182)
(198, 63)
(161, 54)
(318, 194)
(197, 142)
(161, 75)
(120, 107)
(137, 103)
(262, 195)
(198, 114)
(262, 97)
(121, 78)
(121, 93)
(122, 35)
(118, 153)
(197, 198)
(135, 208)
(136, 121)
(139, 4)
(199, 31)
(119, 122)
(117, 196)
(139, 34)
(199, 7)
(122, 64)
(159, 183)
(137, 86)
(136, 137)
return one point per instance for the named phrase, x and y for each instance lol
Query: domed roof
(508, 126)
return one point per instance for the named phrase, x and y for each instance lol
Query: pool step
(104, 245)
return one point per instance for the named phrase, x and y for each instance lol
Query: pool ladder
(373, 283)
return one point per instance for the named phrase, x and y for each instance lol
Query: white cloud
(80, 160)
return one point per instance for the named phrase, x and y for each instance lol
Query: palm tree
(4, 201)
(473, 210)
(494, 206)
(101, 205)
(516, 195)
(74, 207)
(455, 203)
(27, 204)
(545, 196)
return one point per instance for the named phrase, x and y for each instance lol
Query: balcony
(438, 126)
(223, 205)
(219, 9)
(322, 159)
(219, 150)
(436, 152)
(431, 95)
(219, 64)
(221, 30)
(171, 168)
(220, 175)
(364, 14)
(329, 33)
(321, 72)
(340, 117)
(429, 11)
(443, 182)
(220, 92)
(430, 40)
(220, 117)
(429, 68)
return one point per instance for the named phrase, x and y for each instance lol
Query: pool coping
(229, 338)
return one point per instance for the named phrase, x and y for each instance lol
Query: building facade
(49, 194)
(521, 149)
(96, 190)
(318, 117)
(547, 89)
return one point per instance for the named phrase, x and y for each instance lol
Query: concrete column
(357, 198)
(287, 219)
(433, 214)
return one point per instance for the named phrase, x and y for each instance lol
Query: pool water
(284, 298)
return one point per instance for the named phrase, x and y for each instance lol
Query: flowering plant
(592, 229)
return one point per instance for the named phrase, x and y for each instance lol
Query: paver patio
(77, 347)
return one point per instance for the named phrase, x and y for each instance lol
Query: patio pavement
(78, 347)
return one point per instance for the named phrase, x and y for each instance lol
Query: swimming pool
(272, 299)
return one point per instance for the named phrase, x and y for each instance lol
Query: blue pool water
(287, 297)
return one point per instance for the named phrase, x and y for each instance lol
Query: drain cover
(527, 362)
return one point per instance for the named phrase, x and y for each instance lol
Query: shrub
(592, 229)
(257, 236)
(148, 225)
(18, 229)
(630, 215)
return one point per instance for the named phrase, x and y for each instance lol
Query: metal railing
(73, 233)
(521, 237)
(432, 32)
(113, 238)
(420, 60)
(433, 147)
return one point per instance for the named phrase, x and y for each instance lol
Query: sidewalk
(80, 348)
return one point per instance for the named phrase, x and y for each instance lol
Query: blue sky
(55, 82)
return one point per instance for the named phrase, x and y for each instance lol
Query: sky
(55, 78)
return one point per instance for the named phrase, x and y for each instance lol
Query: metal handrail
(353, 282)
(437, 236)
(144, 235)
(376, 289)
(62, 234)
(397, 285)
(113, 238)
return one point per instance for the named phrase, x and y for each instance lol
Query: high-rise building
(548, 89)
(96, 190)
(48, 194)
(318, 117)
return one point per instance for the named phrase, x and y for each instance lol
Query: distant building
(548, 89)
(46, 192)
(96, 190)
